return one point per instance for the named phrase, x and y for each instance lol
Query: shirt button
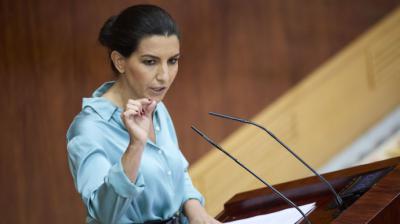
(157, 128)
(169, 172)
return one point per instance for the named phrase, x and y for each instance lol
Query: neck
(119, 93)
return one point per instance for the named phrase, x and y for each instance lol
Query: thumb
(150, 107)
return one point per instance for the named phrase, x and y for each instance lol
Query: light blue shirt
(96, 140)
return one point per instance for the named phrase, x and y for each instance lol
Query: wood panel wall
(317, 118)
(238, 56)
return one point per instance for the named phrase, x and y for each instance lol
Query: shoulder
(87, 123)
(85, 136)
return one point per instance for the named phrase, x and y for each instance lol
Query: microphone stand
(338, 199)
(251, 172)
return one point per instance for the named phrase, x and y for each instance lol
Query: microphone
(338, 199)
(251, 172)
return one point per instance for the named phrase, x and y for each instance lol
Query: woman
(122, 147)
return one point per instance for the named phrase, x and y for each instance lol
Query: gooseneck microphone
(251, 172)
(338, 199)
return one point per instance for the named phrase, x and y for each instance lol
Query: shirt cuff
(122, 184)
(194, 195)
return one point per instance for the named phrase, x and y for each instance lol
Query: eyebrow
(153, 56)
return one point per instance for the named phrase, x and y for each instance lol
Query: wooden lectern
(371, 193)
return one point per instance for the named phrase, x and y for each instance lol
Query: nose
(163, 73)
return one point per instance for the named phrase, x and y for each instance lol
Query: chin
(156, 98)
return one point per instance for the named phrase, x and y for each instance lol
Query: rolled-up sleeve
(104, 187)
(122, 185)
(190, 191)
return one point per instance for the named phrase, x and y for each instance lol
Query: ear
(118, 61)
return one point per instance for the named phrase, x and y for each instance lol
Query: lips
(157, 89)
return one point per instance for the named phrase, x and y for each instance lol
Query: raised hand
(137, 118)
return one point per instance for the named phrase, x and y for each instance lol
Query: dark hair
(123, 33)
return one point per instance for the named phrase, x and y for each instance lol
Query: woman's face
(151, 69)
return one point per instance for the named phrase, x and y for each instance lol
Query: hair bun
(106, 32)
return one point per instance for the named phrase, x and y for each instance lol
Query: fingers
(150, 107)
(137, 105)
(133, 107)
(129, 113)
(143, 106)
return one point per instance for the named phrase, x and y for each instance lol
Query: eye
(149, 61)
(173, 61)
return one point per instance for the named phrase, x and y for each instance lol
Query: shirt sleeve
(104, 187)
(190, 191)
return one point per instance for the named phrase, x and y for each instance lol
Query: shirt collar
(102, 106)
